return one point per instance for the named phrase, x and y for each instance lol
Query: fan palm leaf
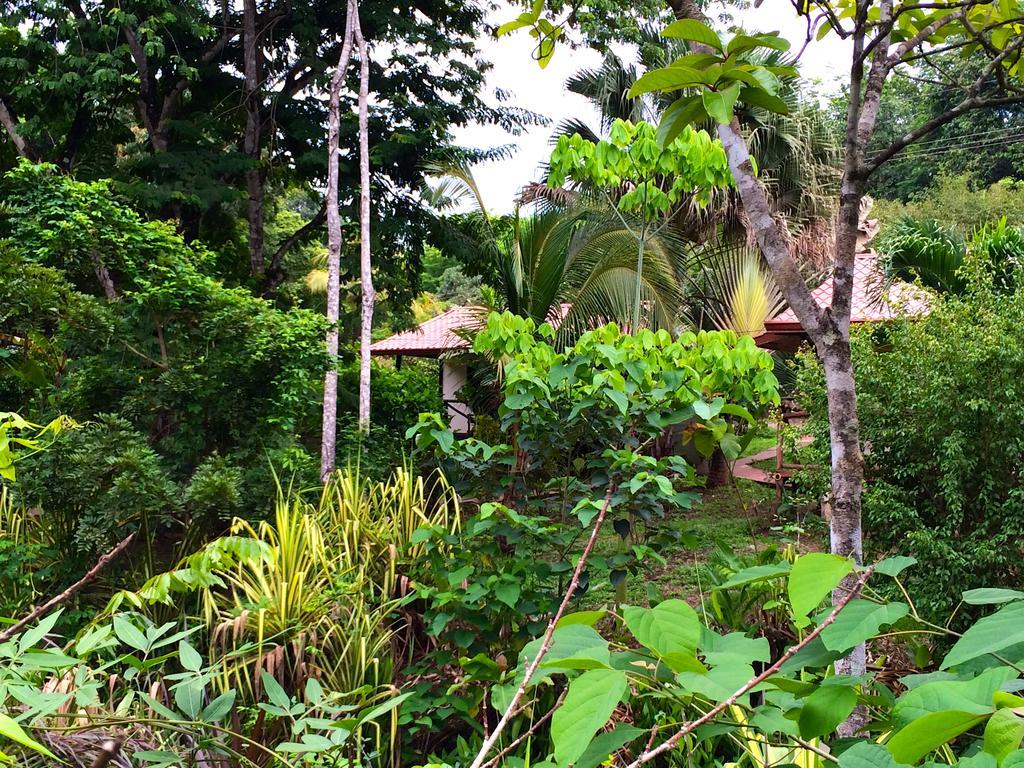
(737, 290)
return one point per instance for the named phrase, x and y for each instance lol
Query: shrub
(940, 410)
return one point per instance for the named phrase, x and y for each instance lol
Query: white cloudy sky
(543, 91)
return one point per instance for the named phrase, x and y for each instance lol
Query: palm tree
(575, 264)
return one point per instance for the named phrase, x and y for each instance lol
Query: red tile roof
(869, 303)
(433, 337)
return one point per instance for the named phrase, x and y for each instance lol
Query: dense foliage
(939, 397)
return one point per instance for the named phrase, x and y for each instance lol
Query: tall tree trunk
(828, 329)
(328, 445)
(254, 175)
(365, 263)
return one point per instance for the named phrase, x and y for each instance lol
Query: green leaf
(129, 634)
(157, 757)
(978, 760)
(755, 575)
(219, 708)
(591, 699)
(607, 743)
(587, 618)
(1014, 760)
(620, 400)
(991, 596)
(11, 730)
(733, 648)
(720, 104)
(928, 733)
(866, 754)
(671, 626)
(189, 657)
(508, 593)
(188, 696)
(666, 79)
(825, 709)
(859, 621)
(695, 31)
(719, 683)
(384, 708)
(988, 635)
(569, 644)
(757, 97)
(1004, 732)
(684, 111)
(972, 696)
(275, 693)
(39, 631)
(159, 708)
(894, 566)
(813, 577)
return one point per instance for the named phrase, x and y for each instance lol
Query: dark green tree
(194, 123)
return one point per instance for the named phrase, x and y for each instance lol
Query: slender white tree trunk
(328, 445)
(365, 262)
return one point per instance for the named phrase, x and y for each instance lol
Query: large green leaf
(1014, 760)
(758, 97)
(666, 79)
(606, 743)
(670, 627)
(734, 648)
(720, 104)
(866, 754)
(930, 732)
(991, 596)
(572, 646)
(825, 709)
(858, 621)
(11, 730)
(991, 634)
(813, 577)
(717, 684)
(1004, 732)
(972, 696)
(591, 699)
(756, 574)
(695, 31)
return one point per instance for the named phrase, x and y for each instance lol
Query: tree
(199, 111)
(574, 263)
(886, 36)
(657, 179)
(984, 145)
(329, 429)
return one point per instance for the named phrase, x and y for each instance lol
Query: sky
(543, 91)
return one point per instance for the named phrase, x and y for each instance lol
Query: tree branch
(49, 605)
(10, 124)
(545, 644)
(275, 274)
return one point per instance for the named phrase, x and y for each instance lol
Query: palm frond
(738, 290)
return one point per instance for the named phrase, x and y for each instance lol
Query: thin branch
(545, 644)
(711, 714)
(529, 732)
(49, 605)
(923, 34)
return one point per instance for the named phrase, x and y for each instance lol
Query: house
(873, 301)
(435, 339)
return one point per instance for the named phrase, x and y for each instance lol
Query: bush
(941, 409)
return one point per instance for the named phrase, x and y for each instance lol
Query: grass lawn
(718, 519)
